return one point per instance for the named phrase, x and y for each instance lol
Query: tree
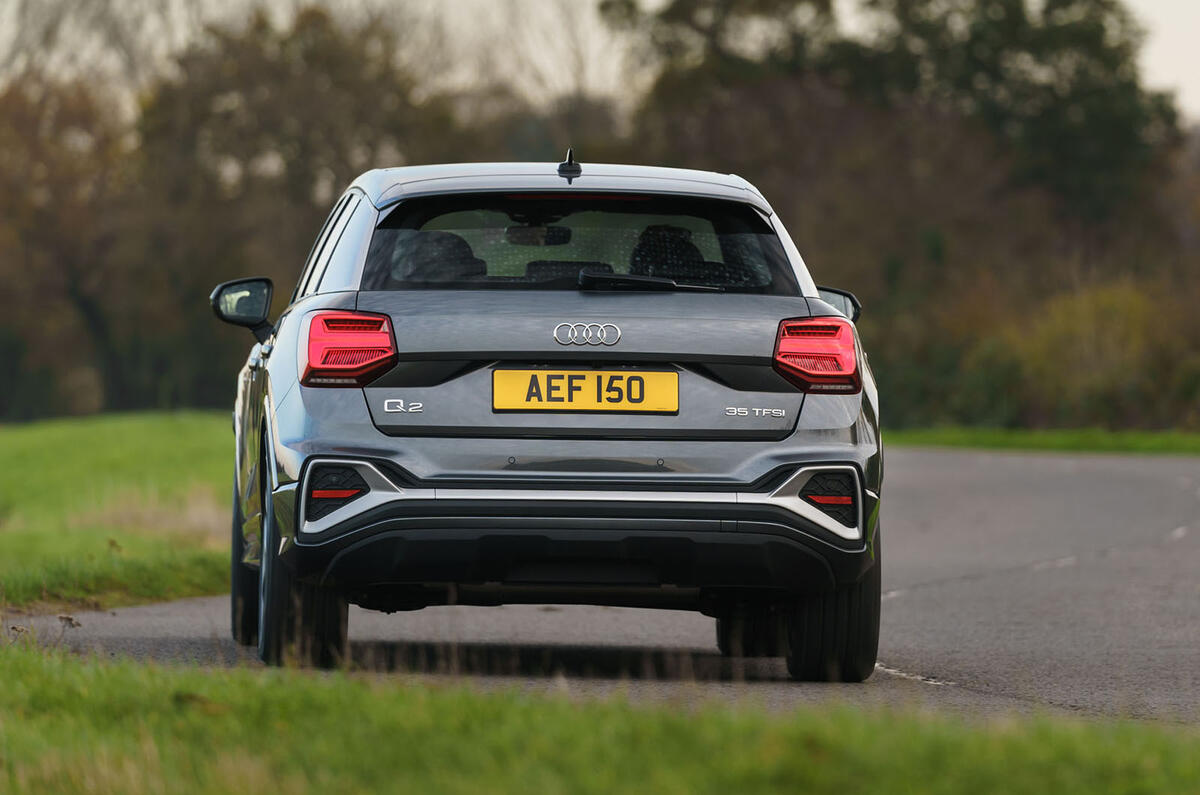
(691, 33)
(246, 144)
(112, 237)
(64, 185)
(1057, 82)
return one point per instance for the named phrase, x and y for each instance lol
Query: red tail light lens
(347, 348)
(818, 355)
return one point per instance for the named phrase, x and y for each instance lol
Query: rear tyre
(754, 633)
(297, 620)
(243, 583)
(834, 637)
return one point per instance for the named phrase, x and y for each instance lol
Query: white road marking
(1057, 563)
(928, 680)
(891, 594)
(1177, 534)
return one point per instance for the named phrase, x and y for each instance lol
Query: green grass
(75, 725)
(1079, 440)
(114, 509)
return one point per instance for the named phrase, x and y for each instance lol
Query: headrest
(434, 256)
(663, 248)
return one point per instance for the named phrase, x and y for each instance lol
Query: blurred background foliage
(1018, 213)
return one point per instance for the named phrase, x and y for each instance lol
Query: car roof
(386, 186)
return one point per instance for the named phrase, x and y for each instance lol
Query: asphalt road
(1013, 583)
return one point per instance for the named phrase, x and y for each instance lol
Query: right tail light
(819, 355)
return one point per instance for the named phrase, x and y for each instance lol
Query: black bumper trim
(694, 559)
(759, 549)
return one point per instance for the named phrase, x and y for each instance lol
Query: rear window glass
(542, 242)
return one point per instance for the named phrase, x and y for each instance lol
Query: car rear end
(614, 397)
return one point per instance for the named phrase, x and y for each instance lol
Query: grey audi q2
(522, 382)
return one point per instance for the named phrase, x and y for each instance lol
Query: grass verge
(1077, 440)
(114, 509)
(77, 725)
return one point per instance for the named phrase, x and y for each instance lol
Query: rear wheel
(296, 618)
(834, 637)
(243, 583)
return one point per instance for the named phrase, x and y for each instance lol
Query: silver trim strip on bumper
(384, 491)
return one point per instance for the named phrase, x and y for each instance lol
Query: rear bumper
(644, 566)
(678, 549)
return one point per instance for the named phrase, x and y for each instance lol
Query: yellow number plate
(585, 390)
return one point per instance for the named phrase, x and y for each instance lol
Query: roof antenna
(569, 169)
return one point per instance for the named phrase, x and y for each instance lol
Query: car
(557, 384)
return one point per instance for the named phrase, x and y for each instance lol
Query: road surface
(1013, 583)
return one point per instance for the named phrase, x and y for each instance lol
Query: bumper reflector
(331, 486)
(835, 494)
(826, 499)
(333, 494)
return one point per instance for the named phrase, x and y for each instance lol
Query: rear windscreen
(542, 242)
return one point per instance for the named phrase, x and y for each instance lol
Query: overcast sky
(1171, 57)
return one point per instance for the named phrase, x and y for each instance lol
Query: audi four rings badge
(587, 334)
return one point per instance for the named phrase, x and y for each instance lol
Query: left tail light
(347, 348)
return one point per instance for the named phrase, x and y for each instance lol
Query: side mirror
(841, 300)
(245, 302)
